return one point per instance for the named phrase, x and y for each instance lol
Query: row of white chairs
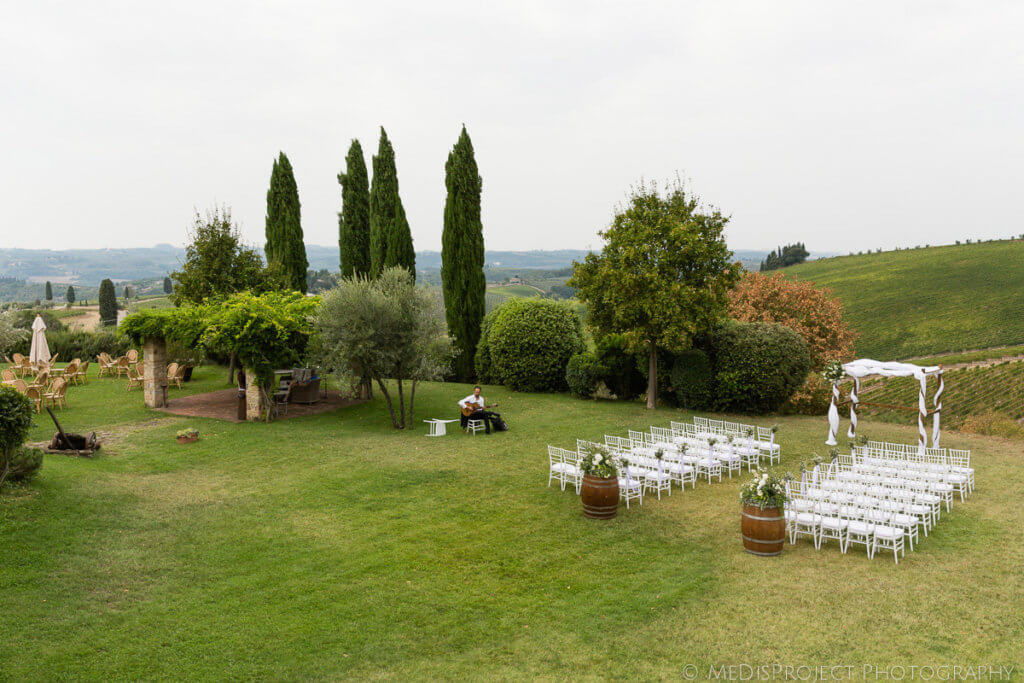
(762, 438)
(905, 456)
(641, 471)
(880, 497)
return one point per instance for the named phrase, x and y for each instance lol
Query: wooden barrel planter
(600, 496)
(764, 531)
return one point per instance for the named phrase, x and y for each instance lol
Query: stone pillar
(154, 372)
(253, 397)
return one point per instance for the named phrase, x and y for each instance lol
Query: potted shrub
(188, 435)
(600, 489)
(762, 522)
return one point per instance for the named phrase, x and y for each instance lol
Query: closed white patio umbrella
(40, 352)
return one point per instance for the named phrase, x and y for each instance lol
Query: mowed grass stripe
(333, 546)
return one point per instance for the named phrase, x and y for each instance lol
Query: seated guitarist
(473, 408)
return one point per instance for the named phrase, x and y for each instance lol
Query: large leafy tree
(354, 219)
(384, 328)
(108, 303)
(462, 255)
(663, 275)
(217, 261)
(286, 251)
(390, 237)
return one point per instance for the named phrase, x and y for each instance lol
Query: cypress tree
(390, 237)
(354, 219)
(108, 303)
(168, 286)
(70, 296)
(286, 252)
(49, 291)
(127, 292)
(462, 255)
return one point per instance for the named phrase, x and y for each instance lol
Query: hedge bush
(693, 380)
(583, 373)
(25, 463)
(24, 319)
(757, 366)
(530, 341)
(15, 420)
(482, 360)
(80, 344)
(622, 374)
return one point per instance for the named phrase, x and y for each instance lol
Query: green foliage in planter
(531, 342)
(757, 366)
(187, 433)
(693, 380)
(583, 373)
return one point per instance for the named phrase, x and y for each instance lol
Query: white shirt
(478, 400)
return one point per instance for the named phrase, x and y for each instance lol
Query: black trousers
(484, 415)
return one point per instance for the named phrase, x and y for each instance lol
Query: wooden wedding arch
(867, 367)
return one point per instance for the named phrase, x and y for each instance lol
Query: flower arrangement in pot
(187, 435)
(763, 523)
(599, 491)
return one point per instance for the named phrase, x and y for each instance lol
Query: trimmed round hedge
(693, 380)
(529, 343)
(757, 366)
(583, 373)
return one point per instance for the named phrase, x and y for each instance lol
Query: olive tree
(381, 329)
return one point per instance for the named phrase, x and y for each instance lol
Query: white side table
(438, 427)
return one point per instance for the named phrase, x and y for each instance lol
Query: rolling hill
(915, 302)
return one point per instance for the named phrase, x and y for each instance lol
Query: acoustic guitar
(470, 409)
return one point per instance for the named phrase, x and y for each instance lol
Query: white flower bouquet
(599, 463)
(765, 490)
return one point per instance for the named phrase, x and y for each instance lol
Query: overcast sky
(845, 125)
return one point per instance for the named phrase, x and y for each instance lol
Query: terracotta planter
(600, 496)
(188, 439)
(763, 531)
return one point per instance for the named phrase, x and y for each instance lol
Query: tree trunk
(387, 400)
(652, 376)
(231, 369)
(412, 397)
(401, 404)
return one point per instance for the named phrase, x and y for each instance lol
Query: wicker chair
(7, 376)
(56, 395)
(41, 381)
(107, 364)
(175, 374)
(82, 376)
(21, 386)
(33, 394)
(134, 377)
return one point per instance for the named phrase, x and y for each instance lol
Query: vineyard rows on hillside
(968, 391)
(916, 302)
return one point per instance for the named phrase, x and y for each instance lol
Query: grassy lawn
(927, 301)
(332, 546)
